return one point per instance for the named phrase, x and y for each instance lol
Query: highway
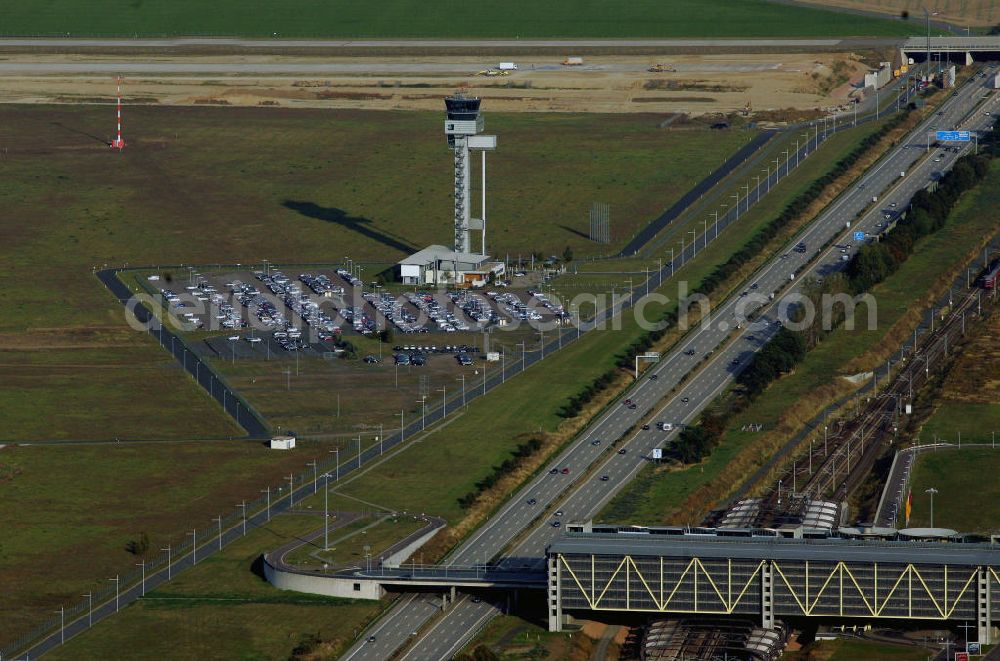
(724, 349)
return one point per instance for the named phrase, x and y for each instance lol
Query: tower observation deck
(463, 126)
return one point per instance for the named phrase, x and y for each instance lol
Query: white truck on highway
(507, 66)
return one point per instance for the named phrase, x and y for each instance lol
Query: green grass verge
(657, 492)
(443, 18)
(977, 422)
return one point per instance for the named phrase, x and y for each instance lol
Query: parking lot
(314, 310)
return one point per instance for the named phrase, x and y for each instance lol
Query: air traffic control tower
(463, 127)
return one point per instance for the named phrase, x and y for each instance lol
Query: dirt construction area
(687, 84)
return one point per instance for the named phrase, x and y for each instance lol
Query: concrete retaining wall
(330, 586)
(394, 559)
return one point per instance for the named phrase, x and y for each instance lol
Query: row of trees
(794, 209)
(521, 453)
(576, 403)
(928, 212)
(760, 239)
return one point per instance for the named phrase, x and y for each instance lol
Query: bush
(520, 455)
(928, 212)
(576, 403)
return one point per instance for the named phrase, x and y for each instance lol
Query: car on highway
(645, 428)
(554, 471)
(685, 399)
(596, 441)
(556, 524)
(654, 377)
(557, 513)
(665, 426)
(565, 471)
(623, 450)
(605, 478)
(532, 501)
(371, 639)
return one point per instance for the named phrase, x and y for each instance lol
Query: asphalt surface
(727, 352)
(330, 68)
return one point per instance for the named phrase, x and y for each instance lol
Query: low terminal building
(437, 265)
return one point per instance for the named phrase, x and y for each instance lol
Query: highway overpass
(960, 50)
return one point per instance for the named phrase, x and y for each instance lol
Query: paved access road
(728, 351)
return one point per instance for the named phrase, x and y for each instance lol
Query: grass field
(442, 18)
(968, 408)
(223, 609)
(68, 511)
(656, 494)
(175, 196)
(953, 473)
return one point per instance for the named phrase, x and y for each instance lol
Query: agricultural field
(445, 19)
(961, 13)
(664, 494)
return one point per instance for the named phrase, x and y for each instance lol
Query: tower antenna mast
(118, 143)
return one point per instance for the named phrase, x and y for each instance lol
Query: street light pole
(142, 586)
(168, 560)
(444, 401)
(315, 476)
(326, 511)
(243, 507)
(268, 492)
(336, 451)
(218, 521)
(90, 608)
(116, 581)
(932, 491)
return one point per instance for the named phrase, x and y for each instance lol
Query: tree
(386, 336)
(139, 547)
(568, 255)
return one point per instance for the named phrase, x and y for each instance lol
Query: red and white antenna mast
(118, 143)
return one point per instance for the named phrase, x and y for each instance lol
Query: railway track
(834, 465)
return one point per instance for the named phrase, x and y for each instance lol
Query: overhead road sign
(953, 136)
(859, 236)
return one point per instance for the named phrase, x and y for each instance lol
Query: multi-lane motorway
(722, 346)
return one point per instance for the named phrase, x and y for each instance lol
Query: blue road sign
(953, 136)
(859, 236)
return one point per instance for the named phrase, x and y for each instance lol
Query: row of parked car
(443, 318)
(513, 306)
(320, 285)
(558, 310)
(476, 307)
(404, 320)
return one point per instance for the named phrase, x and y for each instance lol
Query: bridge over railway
(764, 575)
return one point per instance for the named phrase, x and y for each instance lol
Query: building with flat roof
(437, 265)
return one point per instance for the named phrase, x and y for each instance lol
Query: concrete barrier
(330, 586)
